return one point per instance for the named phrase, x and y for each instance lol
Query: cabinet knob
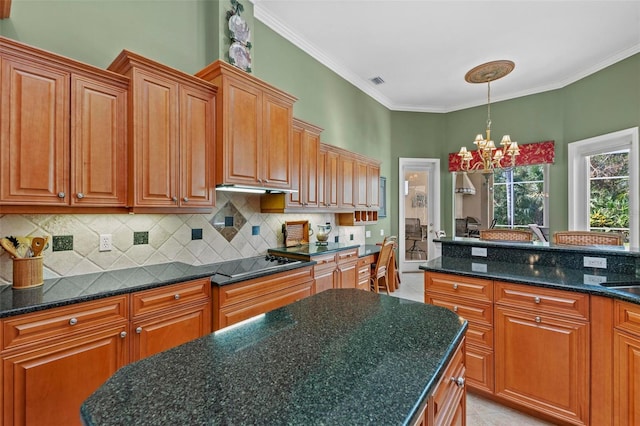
(61, 194)
(80, 195)
(455, 309)
(459, 381)
(174, 199)
(123, 334)
(455, 286)
(538, 320)
(536, 299)
(73, 321)
(176, 296)
(139, 330)
(185, 199)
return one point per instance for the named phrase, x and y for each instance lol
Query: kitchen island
(343, 356)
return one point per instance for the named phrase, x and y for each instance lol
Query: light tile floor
(480, 411)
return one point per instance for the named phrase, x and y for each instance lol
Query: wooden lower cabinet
(324, 272)
(626, 364)
(364, 272)
(53, 360)
(447, 404)
(347, 271)
(542, 350)
(472, 299)
(169, 316)
(237, 302)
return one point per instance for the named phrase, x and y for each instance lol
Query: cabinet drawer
(247, 290)
(325, 262)
(172, 296)
(474, 288)
(366, 261)
(557, 302)
(347, 255)
(480, 335)
(64, 321)
(471, 311)
(627, 316)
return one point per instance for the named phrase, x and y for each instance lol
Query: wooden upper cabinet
(348, 184)
(35, 133)
(98, 143)
(367, 184)
(329, 197)
(254, 129)
(304, 176)
(63, 131)
(172, 131)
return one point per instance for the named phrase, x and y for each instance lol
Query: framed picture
(382, 212)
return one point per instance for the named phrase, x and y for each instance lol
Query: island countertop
(343, 356)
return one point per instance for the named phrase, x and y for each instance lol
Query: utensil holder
(27, 272)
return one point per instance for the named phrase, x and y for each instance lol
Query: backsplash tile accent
(196, 234)
(140, 238)
(62, 243)
(169, 237)
(228, 221)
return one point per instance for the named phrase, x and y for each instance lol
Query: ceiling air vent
(377, 80)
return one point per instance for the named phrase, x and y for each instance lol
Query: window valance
(530, 154)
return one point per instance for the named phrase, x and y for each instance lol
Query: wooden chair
(506, 234)
(588, 238)
(380, 270)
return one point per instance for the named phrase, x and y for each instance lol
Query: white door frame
(432, 166)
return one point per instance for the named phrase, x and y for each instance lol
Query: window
(603, 184)
(520, 196)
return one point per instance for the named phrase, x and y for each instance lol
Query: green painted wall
(189, 34)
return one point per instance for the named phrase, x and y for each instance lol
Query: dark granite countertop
(341, 357)
(562, 278)
(81, 288)
(310, 250)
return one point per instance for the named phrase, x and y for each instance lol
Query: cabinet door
(155, 141)
(332, 181)
(347, 188)
(347, 268)
(373, 186)
(197, 150)
(626, 391)
(98, 143)
(542, 362)
(322, 177)
(361, 185)
(309, 184)
(298, 165)
(34, 134)
(276, 144)
(162, 332)
(47, 385)
(242, 134)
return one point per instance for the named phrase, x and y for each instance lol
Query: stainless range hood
(252, 189)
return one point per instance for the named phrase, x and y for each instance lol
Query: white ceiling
(423, 48)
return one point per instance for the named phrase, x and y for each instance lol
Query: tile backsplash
(146, 239)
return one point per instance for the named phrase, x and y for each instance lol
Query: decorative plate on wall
(239, 56)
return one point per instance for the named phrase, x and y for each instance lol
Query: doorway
(418, 210)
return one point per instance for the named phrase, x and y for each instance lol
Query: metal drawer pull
(61, 194)
(123, 334)
(538, 319)
(536, 299)
(80, 195)
(455, 286)
(455, 309)
(177, 296)
(139, 330)
(459, 381)
(73, 321)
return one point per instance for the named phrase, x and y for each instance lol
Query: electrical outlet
(106, 243)
(382, 232)
(479, 251)
(367, 234)
(595, 262)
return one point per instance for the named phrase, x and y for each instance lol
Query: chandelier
(489, 156)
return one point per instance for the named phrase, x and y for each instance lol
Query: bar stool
(380, 270)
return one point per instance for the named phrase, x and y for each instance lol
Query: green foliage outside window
(518, 196)
(609, 196)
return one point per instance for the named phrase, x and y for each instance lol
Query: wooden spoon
(9, 247)
(37, 245)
